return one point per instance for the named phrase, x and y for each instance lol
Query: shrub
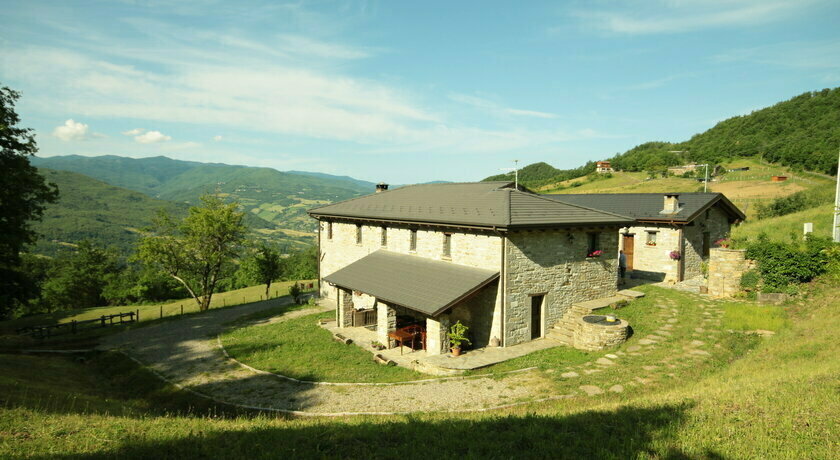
(294, 291)
(785, 264)
(750, 280)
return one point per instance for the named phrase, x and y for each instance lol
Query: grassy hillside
(277, 197)
(745, 188)
(752, 407)
(113, 216)
(781, 228)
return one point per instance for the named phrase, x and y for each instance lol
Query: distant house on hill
(504, 261)
(603, 167)
(672, 233)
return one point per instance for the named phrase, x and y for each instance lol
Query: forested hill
(88, 209)
(278, 197)
(93, 210)
(542, 173)
(803, 132)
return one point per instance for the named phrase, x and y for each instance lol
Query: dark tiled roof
(483, 204)
(425, 285)
(648, 206)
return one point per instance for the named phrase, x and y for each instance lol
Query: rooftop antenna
(515, 170)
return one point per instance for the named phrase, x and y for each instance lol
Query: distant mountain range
(802, 132)
(280, 198)
(112, 216)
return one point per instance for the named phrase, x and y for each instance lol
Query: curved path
(186, 353)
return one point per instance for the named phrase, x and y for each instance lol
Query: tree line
(196, 256)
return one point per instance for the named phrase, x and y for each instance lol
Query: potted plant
(595, 253)
(457, 336)
(723, 242)
(675, 255)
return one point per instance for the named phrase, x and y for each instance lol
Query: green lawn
(301, 349)
(741, 316)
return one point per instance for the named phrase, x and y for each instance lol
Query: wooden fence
(74, 326)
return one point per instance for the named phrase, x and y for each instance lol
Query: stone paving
(186, 353)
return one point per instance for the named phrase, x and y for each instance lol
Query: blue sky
(403, 91)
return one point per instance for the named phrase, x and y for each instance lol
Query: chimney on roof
(672, 203)
(381, 187)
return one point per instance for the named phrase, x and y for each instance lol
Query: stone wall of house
(654, 261)
(725, 269)
(479, 313)
(345, 308)
(716, 222)
(437, 335)
(554, 263)
(473, 249)
(386, 321)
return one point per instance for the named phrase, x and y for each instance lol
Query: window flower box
(595, 253)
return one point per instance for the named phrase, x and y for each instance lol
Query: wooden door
(629, 243)
(536, 316)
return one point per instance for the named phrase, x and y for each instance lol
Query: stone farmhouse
(673, 232)
(504, 261)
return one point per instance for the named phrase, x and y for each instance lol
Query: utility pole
(516, 177)
(836, 229)
(515, 173)
(706, 182)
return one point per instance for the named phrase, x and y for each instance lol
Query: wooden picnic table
(402, 336)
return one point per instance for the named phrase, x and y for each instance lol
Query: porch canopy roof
(424, 285)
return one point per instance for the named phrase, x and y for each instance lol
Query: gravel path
(185, 352)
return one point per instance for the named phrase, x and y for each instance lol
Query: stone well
(591, 335)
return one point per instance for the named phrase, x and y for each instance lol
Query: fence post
(138, 315)
(182, 309)
(74, 326)
(161, 311)
(103, 320)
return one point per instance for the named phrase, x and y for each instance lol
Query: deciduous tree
(198, 251)
(23, 195)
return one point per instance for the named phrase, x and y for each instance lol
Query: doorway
(707, 243)
(629, 244)
(536, 315)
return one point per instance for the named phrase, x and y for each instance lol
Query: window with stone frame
(651, 237)
(384, 241)
(412, 241)
(447, 245)
(358, 233)
(593, 248)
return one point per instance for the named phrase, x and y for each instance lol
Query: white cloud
(71, 131)
(497, 109)
(305, 46)
(152, 137)
(217, 138)
(134, 132)
(668, 16)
